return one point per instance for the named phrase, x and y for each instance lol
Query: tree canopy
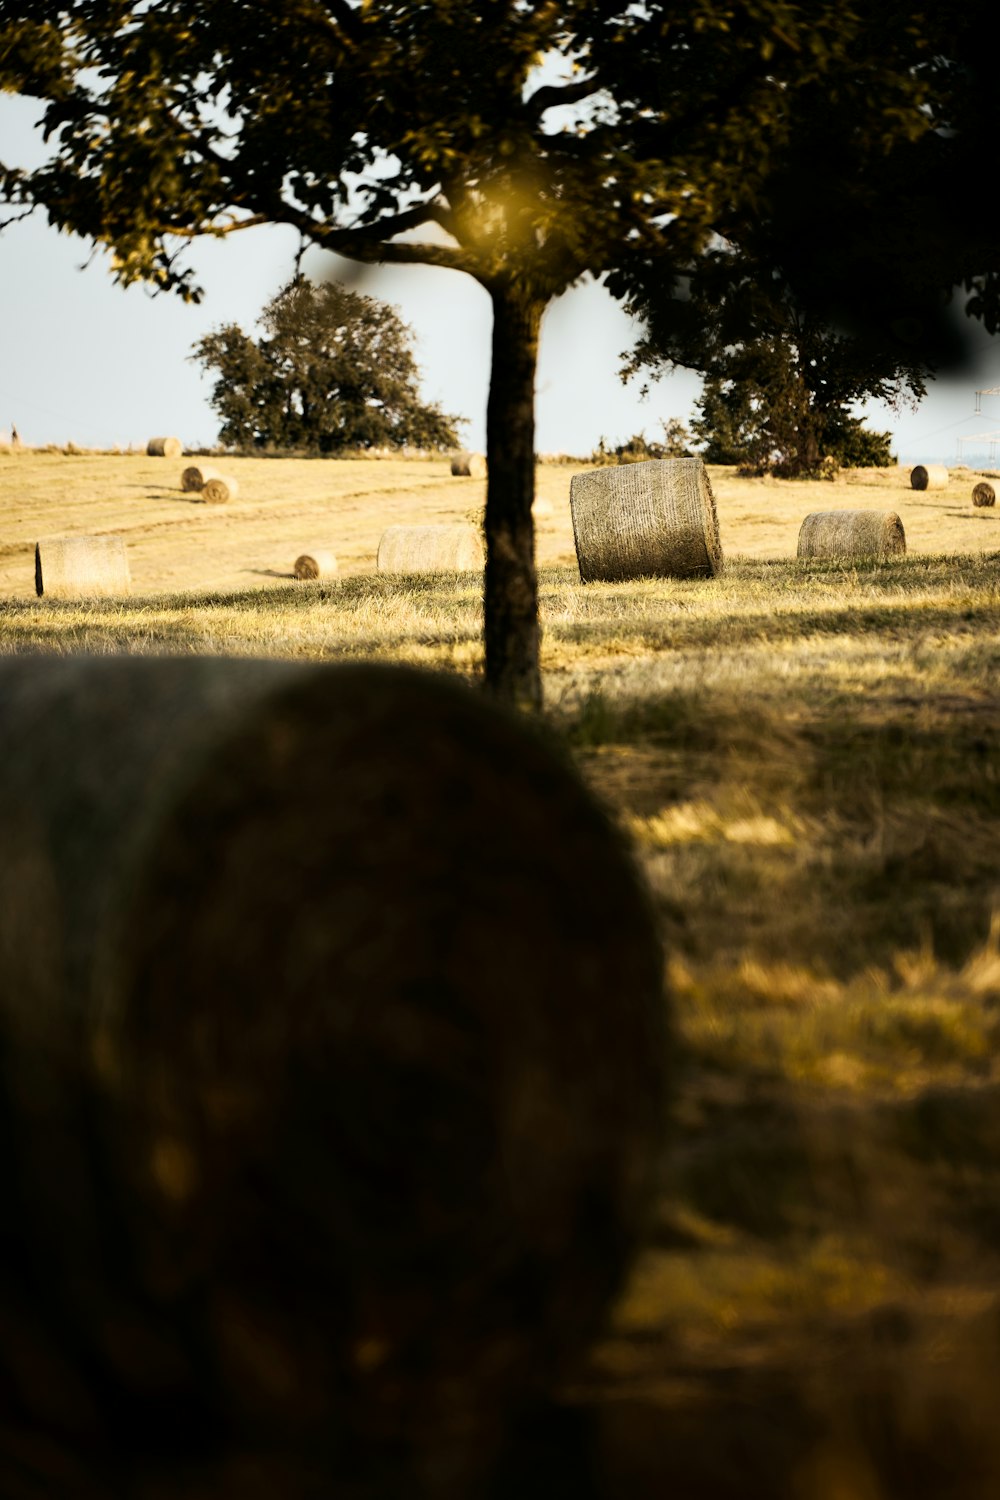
(332, 370)
(524, 142)
(781, 381)
(841, 280)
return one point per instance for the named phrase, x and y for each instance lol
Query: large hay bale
(929, 477)
(196, 476)
(164, 447)
(319, 563)
(218, 489)
(78, 567)
(332, 1068)
(430, 549)
(469, 465)
(853, 535)
(984, 494)
(650, 519)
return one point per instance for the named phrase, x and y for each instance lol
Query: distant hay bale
(852, 535)
(929, 477)
(164, 447)
(542, 508)
(430, 549)
(469, 465)
(316, 564)
(218, 489)
(196, 476)
(333, 1066)
(79, 567)
(984, 494)
(651, 519)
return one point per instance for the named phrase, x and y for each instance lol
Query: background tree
(361, 123)
(781, 379)
(332, 370)
(759, 427)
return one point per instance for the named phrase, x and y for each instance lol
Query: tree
(780, 379)
(332, 371)
(361, 123)
(837, 282)
(741, 422)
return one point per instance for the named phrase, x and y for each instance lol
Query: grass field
(808, 760)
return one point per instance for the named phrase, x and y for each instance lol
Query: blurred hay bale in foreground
(929, 477)
(77, 567)
(855, 535)
(333, 1048)
(430, 549)
(652, 519)
(164, 447)
(319, 563)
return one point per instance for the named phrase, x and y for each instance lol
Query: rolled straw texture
(854, 535)
(984, 494)
(316, 564)
(430, 549)
(219, 489)
(654, 519)
(929, 477)
(164, 447)
(309, 1067)
(76, 567)
(196, 476)
(469, 465)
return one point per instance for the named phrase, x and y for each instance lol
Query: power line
(20, 401)
(948, 426)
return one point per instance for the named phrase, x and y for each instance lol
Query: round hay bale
(469, 465)
(164, 447)
(333, 1056)
(315, 564)
(541, 509)
(430, 549)
(651, 519)
(77, 567)
(852, 535)
(984, 494)
(196, 476)
(929, 477)
(218, 489)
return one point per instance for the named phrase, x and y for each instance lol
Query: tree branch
(343, 21)
(551, 95)
(354, 244)
(217, 231)
(16, 218)
(410, 218)
(347, 16)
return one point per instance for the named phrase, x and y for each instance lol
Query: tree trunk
(511, 596)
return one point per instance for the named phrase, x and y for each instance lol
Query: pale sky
(86, 361)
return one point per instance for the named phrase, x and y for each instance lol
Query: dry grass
(808, 758)
(176, 545)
